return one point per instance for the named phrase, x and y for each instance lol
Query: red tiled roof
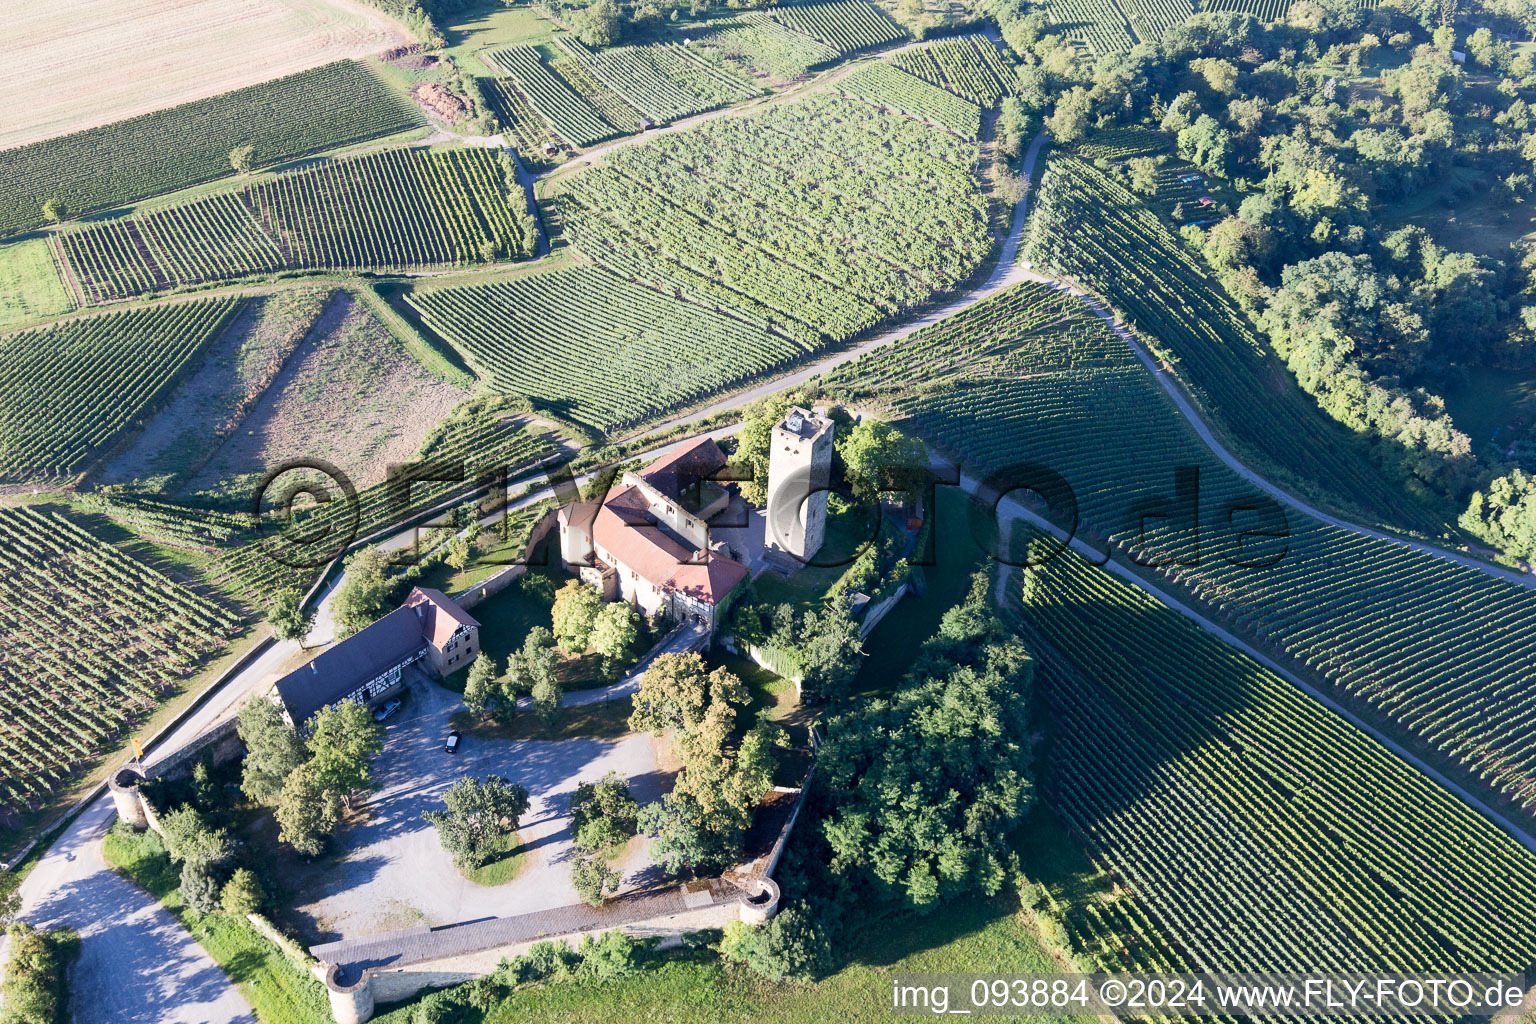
(440, 614)
(624, 529)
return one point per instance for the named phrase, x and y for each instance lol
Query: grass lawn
(1494, 405)
(774, 695)
(506, 618)
(848, 534)
(504, 866)
(1484, 222)
(492, 25)
(967, 936)
(30, 286)
(498, 547)
(890, 650)
(278, 990)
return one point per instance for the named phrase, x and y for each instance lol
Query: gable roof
(350, 663)
(674, 473)
(439, 614)
(428, 616)
(625, 529)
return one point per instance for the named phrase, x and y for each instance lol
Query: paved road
(1006, 274)
(1202, 428)
(136, 962)
(1010, 511)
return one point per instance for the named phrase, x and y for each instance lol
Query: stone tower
(799, 473)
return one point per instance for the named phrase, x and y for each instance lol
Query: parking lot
(395, 873)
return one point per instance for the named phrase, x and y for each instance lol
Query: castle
(648, 542)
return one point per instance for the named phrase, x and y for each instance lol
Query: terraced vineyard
(573, 118)
(133, 637)
(662, 80)
(847, 26)
(1214, 791)
(968, 66)
(396, 208)
(821, 217)
(888, 87)
(118, 163)
(1094, 230)
(484, 445)
(67, 391)
(596, 348)
(1436, 651)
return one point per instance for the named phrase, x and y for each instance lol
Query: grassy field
(894, 643)
(489, 26)
(968, 936)
(1480, 220)
(1497, 406)
(30, 286)
(278, 990)
(75, 64)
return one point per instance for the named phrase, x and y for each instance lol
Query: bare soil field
(77, 64)
(350, 394)
(182, 436)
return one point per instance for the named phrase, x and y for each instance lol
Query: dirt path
(1203, 429)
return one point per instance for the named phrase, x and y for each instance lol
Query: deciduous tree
(575, 612)
(273, 750)
(343, 740)
(479, 814)
(307, 813)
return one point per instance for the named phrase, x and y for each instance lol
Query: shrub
(34, 976)
(792, 946)
(242, 893)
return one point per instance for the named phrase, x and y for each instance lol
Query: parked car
(387, 710)
(452, 746)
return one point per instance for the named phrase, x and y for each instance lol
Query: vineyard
(596, 348)
(821, 217)
(570, 115)
(94, 642)
(769, 48)
(1437, 651)
(1093, 230)
(525, 130)
(1099, 23)
(888, 87)
(968, 66)
(1250, 826)
(481, 444)
(395, 208)
(847, 26)
(1151, 18)
(67, 391)
(663, 81)
(1264, 10)
(118, 163)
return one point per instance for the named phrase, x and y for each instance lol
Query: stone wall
(395, 985)
(876, 612)
(499, 581)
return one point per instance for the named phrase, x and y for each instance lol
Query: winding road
(138, 964)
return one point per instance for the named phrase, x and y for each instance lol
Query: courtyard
(392, 871)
